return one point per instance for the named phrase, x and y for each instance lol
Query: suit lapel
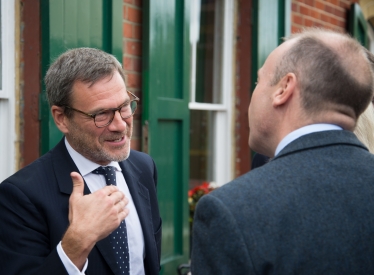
(63, 165)
(140, 197)
(139, 193)
(107, 252)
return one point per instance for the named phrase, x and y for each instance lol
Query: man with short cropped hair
(310, 209)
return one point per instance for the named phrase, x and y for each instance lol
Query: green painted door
(70, 24)
(357, 25)
(166, 71)
(269, 27)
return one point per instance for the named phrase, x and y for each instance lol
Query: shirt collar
(304, 131)
(85, 166)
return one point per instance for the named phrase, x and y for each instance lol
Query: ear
(286, 88)
(59, 118)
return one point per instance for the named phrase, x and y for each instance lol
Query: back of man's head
(333, 72)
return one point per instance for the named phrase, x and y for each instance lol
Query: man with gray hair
(89, 206)
(309, 210)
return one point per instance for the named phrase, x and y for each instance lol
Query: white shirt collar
(304, 131)
(85, 166)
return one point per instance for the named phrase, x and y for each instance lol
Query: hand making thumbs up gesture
(92, 217)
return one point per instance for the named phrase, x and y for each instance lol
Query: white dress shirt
(134, 230)
(304, 131)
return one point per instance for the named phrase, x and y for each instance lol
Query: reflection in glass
(208, 53)
(201, 147)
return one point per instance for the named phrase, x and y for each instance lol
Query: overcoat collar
(320, 139)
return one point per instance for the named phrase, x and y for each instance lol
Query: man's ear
(59, 118)
(286, 88)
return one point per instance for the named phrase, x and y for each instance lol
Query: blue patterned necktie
(118, 238)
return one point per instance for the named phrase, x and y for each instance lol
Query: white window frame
(222, 113)
(370, 33)
(7, 93)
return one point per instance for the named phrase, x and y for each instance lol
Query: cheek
(97, 136)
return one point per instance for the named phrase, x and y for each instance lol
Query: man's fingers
(109, 190)
(78, 184)
(123, 214)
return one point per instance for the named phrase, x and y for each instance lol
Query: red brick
(135, 143)
(304, 10)
(344, 4)
(315, 14)
(137, 32)
(319, 25)
(334, 21)
(329, 9)
(133, 80)
(342, 24)
(325, 18)
(133, 48)
(295, 7)
(308, 22)
(320, 5)
(127, 30)
(138, 3)
(309, 2)
(134, 15)
(339, 12)
(137, 65)
(297, 19)
(128, 63)
(135, 124)
(295, 29)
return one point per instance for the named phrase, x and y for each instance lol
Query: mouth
(116, 140)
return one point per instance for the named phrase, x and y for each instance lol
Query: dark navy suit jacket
(310, 210)
(34, 215)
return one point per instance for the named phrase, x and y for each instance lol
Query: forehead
(108, 92)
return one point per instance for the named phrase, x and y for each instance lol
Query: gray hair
(331, 68)
(88, 65)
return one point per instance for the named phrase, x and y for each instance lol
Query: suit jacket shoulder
(34, 202)
(305, 212)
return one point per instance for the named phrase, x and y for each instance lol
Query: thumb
(78, 184)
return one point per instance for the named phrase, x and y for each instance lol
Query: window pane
(1, 53)
(208, 53)
(201, 147)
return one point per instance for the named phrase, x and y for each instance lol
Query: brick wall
(331, 14)
(132, 48)
(242, 85)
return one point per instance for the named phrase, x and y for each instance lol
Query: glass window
(201, 147)
(208, 53)
(211, 36)
(1, 55)
(7, 89)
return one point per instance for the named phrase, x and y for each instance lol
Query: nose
(118, 124)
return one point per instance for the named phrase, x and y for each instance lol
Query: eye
(102, 116)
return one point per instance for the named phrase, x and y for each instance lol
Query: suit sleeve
(24, 242)
(218, 246)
